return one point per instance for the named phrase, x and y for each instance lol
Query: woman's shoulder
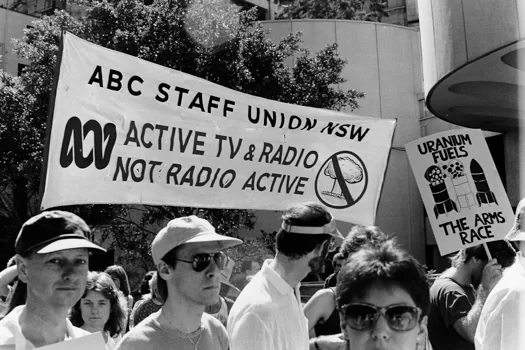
(325, 294)
(324, 299)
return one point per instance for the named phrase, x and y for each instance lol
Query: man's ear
(164, 270)
(21, 267)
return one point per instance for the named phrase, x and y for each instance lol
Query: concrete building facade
(12, 25)
(384, 62)
(473, 55)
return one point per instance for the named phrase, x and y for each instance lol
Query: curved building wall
(456, 32)
(384, 63)
(474, 72)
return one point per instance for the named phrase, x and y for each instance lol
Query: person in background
(383, 298)
(268, 314)
(52, 256)
(248, 269)
(102, 308)
(337, 263)
(8, 280)
(148, 305)
(457, 296)
(502, 322)
(320, 310)
(120, 278)
(188, 256)
(144, 287)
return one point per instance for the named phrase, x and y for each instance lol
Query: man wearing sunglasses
(189, 259)
(268, 314)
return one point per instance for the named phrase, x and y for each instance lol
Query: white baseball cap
(188, 229)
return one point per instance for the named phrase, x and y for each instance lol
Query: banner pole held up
(487, 251)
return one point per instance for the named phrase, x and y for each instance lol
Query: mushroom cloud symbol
(352, 172)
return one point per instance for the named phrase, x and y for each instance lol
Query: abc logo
(77, 133)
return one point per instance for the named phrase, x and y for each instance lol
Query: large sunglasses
(200, 262)
(400, 318)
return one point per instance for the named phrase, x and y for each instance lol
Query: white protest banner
(93, 341)
(118, 136)
(465, 200)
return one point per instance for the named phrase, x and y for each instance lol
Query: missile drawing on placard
(484, 195)
(436, 181)
(456, 172)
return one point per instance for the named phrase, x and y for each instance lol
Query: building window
(21, 67)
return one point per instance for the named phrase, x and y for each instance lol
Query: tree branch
(136, 225)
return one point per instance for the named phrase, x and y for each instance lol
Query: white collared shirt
(268, 315)
(501, 325)
(11, 337)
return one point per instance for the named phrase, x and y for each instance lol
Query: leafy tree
(361, 10)
(210, 39)
(253, 249)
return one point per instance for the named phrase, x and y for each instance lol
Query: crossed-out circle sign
(342, 180)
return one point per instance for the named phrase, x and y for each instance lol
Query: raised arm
(6, 277)
(466, 326)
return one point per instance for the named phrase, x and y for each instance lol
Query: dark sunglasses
(400, 318)
(200, 262)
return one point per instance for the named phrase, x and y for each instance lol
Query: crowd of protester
(379, 297)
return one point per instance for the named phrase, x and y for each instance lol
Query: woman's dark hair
(101, 282)
(385, 265)
(117, 270)
(296, 245)
(361, 237)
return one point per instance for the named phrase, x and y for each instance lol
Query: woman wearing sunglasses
(382, 298)
(320, 310)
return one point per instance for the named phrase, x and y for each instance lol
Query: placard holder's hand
(492, 273)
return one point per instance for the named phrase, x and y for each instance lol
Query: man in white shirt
(502, 322)
(52, 260)
(268, 314)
